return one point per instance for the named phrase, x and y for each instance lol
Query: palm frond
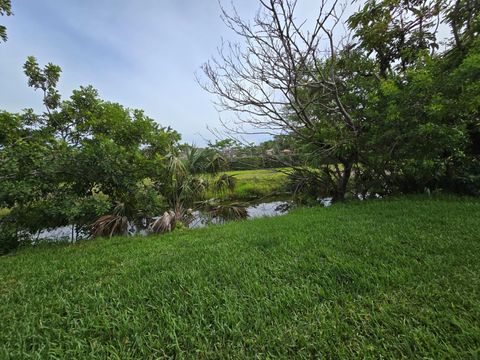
(165, 223)
(225, 183)
(110, 225)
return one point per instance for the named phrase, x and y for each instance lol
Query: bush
(309, 183)
(465, 178)
(225, 183)
(10, 239)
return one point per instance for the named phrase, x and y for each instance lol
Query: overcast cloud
(142, 54)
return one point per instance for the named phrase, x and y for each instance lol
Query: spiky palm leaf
(110, 225)
(164, 223)
(225, 183)
(231, 211)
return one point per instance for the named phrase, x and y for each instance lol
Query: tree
(5, 9)
(464, 20)
(80, 159)
(382, 105)
(397, 31)
(280, 76)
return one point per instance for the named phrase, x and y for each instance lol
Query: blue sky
(142, 54)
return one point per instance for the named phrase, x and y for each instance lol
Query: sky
(142, 54)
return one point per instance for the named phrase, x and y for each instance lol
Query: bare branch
(264, 80)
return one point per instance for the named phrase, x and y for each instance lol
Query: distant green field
(258, 183)
(392, 279)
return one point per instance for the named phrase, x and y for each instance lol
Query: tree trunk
(342, 183)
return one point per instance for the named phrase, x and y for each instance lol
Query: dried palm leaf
(164, 223)
(110, 225)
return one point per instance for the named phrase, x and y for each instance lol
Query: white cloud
(142, 54)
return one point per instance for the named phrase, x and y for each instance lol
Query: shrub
(225, 183)
(309, 183)
(110, 225)
(10, 237)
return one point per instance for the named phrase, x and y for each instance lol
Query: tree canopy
(374, 111)
(79, 159)
(5, 9)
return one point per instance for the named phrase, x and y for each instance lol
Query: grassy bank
(257, 183)
(391, 278)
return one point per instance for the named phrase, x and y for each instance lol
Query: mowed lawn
(395, 278)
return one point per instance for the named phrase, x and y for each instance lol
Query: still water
(198, 219)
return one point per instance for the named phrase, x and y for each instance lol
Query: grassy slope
(397, 278)
(257, 183)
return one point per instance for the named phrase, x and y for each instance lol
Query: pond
(254, 209)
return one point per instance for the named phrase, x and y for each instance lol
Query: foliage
(9, 237)
(109, 225)
(253, 184)
(5, 9)
(180, 186)
(164, 223)
(464, 20)
(383, 111)
(73, 163)
(304, 182)
(186, 180)
(225, 183)
(396, 31)
(198, 161)
(263, 161)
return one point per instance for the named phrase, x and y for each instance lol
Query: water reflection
(201, 218)
(197, 218)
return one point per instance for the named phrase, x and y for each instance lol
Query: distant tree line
(269, 154)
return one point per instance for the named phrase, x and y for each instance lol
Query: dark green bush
(309, 183)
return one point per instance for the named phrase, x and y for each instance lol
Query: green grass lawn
(395, 278)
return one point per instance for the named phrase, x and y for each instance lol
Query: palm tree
(164, 223)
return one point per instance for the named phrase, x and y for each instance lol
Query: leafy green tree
(82, 158)
(5, 9)
(396, 31)
(385, 112)
(424, 118)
